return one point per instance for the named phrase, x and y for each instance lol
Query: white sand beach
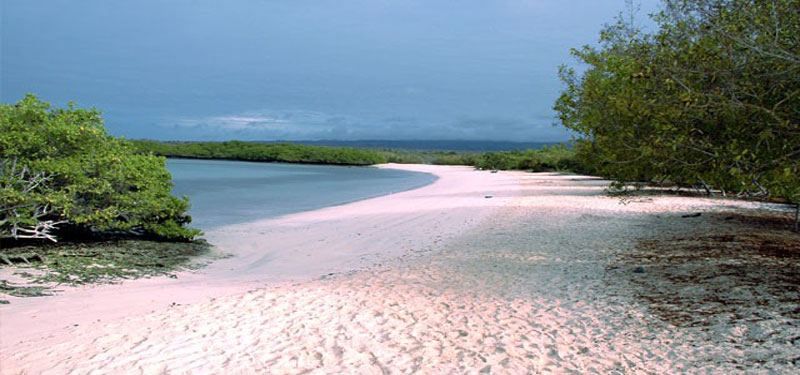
(503, 273)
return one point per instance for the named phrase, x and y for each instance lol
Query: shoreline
(261, 211)
(251, 265)
(272, 161)
(547, 276)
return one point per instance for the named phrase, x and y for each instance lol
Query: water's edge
(226, 192)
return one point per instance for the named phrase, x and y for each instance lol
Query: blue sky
(298, 69)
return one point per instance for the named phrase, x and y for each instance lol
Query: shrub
(711, 98)
(60, 170)
(548, 158)
(455, 158)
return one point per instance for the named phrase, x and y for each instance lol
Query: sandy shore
(438, 280)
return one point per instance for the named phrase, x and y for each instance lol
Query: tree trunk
(797, 217)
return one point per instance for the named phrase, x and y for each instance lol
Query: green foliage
(264, 152)
(60, 169)
(558, 157)
(500, 160)
(455, 158)
(711, 99)
(549, 158)
(429, 157)
(402, 157)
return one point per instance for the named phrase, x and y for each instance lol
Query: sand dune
(439, 280)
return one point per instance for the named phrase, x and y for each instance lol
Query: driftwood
(26, 181)
(41, 230)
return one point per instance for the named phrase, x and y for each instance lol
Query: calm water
(230, 192)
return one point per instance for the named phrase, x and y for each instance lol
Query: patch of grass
(97, 262)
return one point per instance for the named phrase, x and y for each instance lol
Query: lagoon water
(230, 192)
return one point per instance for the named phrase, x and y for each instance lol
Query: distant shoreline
(428, 145)
(539, 157)
(250, 151)
(405, 145)
(271, 162)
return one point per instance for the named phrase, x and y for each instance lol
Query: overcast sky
(298, 69)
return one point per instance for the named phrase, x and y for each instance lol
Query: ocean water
(230, 192)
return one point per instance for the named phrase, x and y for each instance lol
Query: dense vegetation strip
(548, 158)
(710, 99)
(263, 152)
